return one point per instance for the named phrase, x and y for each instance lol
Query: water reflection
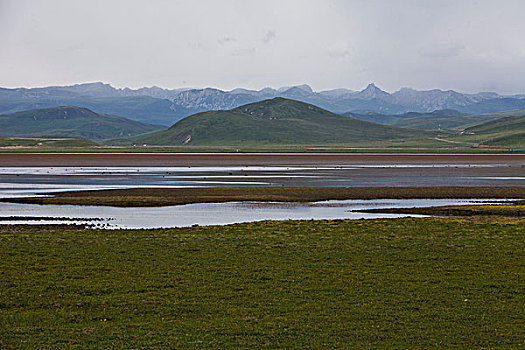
(211, 213)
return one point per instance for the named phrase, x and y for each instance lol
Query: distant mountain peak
(373, 87)
(93, 84)
(298, 91)
(305, 87)
(97, 88)
(371, 92)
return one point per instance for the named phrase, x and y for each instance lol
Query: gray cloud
(442, 51)
(467, 45)
(243, 52)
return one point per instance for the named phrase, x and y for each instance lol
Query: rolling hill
(437, 120)
(509, 124)
(275, 121)
(503, 132)
(70, 122)
(448, 122)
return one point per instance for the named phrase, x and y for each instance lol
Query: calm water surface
(211, 213)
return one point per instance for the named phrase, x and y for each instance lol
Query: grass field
(399, 283)
(459, 145)
(35, 143)
(438, 144)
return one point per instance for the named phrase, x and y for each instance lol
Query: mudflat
(247, 159)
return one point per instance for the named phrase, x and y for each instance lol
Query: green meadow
(397, 283)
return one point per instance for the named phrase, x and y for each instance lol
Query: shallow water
(24, 181)
(213, 213)
(173, 171)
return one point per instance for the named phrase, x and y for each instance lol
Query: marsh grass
(403, 283)
(152, 197)
(516, 210)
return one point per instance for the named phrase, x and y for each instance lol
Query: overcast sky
(464, 45)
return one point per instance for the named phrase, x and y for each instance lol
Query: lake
(39, 174)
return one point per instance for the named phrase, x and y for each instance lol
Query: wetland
(392, 281)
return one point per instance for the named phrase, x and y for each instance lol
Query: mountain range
(156, 105)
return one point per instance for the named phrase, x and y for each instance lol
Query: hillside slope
(510, 124)
(503, 132)
(438, 120)
(275, 121)
(71, 122)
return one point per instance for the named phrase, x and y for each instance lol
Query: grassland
(403, 283)
(36, 143)
(503, 132)
(152, 197)
(438, 144)
(466, 147)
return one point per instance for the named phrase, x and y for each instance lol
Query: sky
(467, 45)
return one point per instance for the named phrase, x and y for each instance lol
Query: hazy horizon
(469, 46)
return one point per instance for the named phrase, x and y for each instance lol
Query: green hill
(516, 141)
(440, 123)
(446, 119)
(506, 132)
(275, 121)
(71, 122)
(512, 124)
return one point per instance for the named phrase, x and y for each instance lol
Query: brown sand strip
(189, 159)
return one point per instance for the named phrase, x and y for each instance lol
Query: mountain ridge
(166, 106)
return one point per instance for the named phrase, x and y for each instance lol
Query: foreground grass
(151, 197)
(410, 283)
